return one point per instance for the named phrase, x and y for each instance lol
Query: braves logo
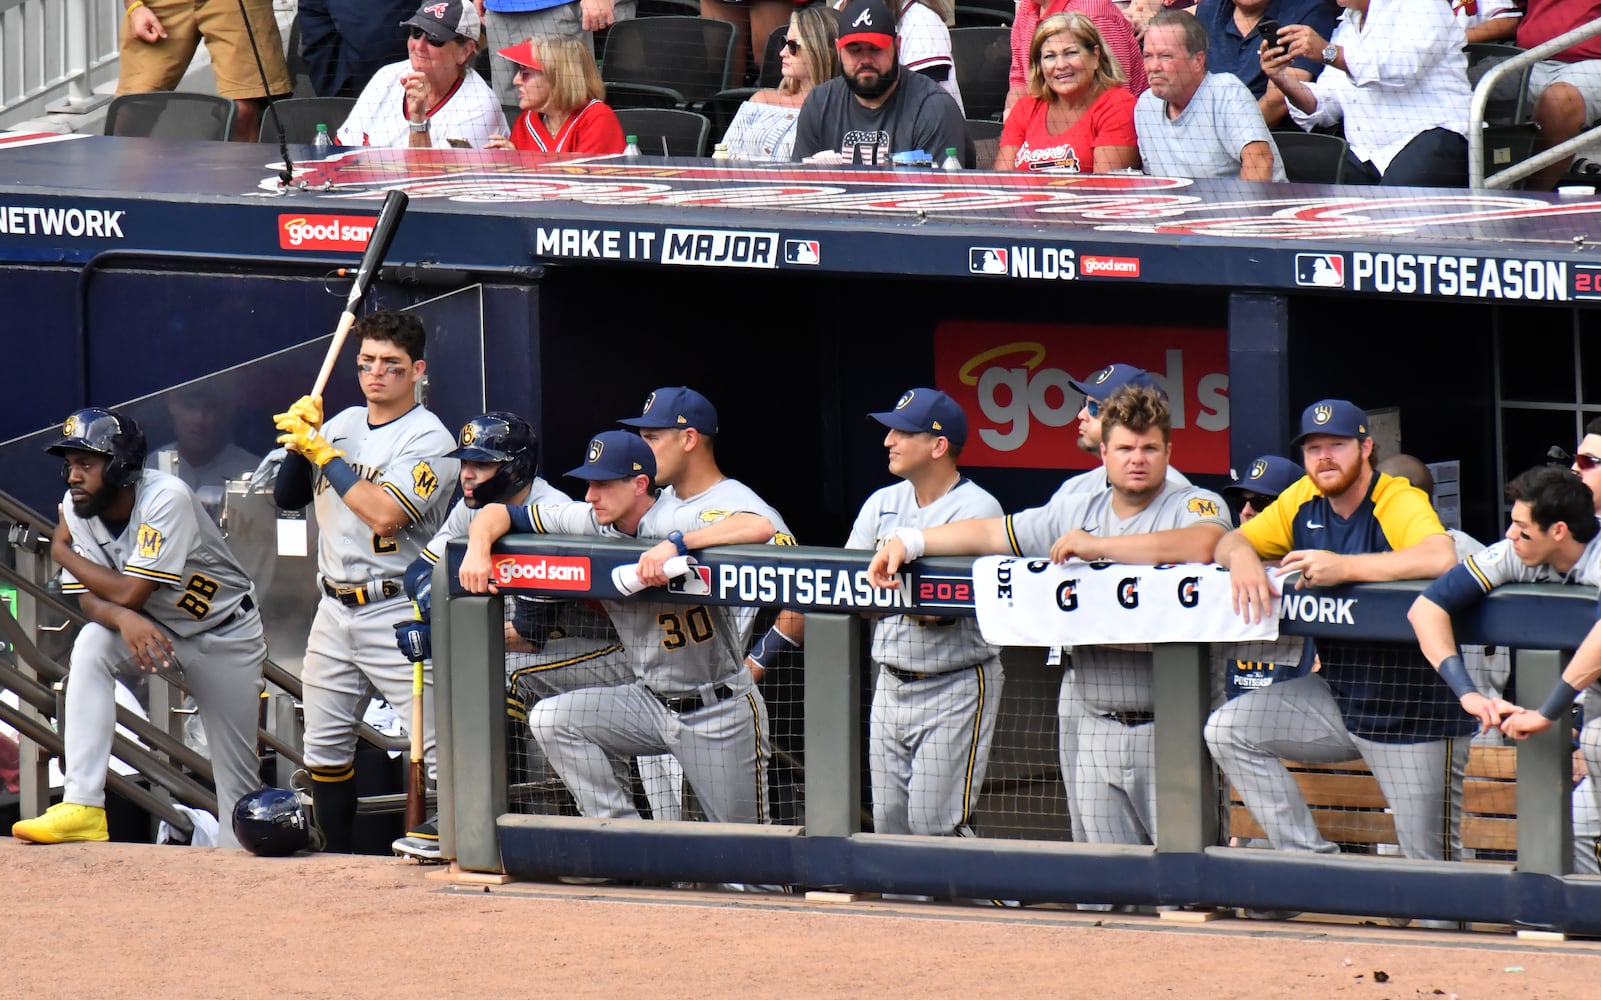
(865, 17)
(437, 9)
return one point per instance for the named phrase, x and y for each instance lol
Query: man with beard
(873, 109)
(1106, 712)
(163, 595)
(1381, 702)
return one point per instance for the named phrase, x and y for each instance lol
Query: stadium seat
(1505, 145)
(169, 114)
(986, 136)
(298, 117)
(772, 58)
(667, 61)
(667, 8)
(684, 132)
(981, 17)
(983, 61)
(1311, 157)
(1509, 101)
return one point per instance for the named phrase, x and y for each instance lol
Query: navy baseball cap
(1108, 380)
(1332, 416)
(677, 407)
(1269, 476)
(616, 455)
(926, 411)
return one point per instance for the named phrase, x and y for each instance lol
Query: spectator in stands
(1398, 83)
(434, 98)
(1488, 20)
(161, 39)
(1566, 88)
(756, 21)
(344, 42)
(510, 22)
(874, 111)
(1193, 123)
(1234, 43)
(764, 127)
(562, 99)
(1587, 460)
(925, 45)
(1344, 523)
(1121, 45)
(1079, 116)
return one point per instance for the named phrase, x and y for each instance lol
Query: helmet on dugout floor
(499, 437)
(102, 432)
(271, 823)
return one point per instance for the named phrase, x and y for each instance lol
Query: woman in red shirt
(1079, 116)
(562, 101)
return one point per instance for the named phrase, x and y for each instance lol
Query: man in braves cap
(873, 110)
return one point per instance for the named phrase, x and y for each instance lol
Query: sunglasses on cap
(417, 33)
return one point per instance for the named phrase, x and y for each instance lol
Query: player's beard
(1348, 478)
(96, 503)
(879, 87)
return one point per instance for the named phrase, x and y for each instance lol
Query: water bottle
(631, 151)
(322, 143)
(952, 162)
(720, 152)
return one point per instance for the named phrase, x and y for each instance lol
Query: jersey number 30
(694, 625)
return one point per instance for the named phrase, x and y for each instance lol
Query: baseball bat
(416, 790)
(383, 234)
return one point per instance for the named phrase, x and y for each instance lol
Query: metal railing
(54, 53)
(1481, 97)
(1185, 866)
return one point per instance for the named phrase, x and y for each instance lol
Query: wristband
(421, 126)
(340, 475)
(1560, 700)
(677, 538)
(767, 648)
(1455, 674)
(912, 540)
(133, 7)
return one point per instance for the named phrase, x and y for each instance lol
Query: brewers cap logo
(1102, 375)
(423, 480)
(469, 434)
(597, 446)
(70, 428)
(1203, 507)
(1322, 413)
(1258, 469)
(649, 402)
(906, 399)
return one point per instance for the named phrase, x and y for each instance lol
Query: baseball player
(1344, 523)
(938, 691)
(380, 489)
(1553, 539)
(163, 595)
(693, 696)
(1251, 665)
(1142, 518)
(1097, 389)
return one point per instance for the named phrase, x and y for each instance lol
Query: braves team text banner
(1034, 602)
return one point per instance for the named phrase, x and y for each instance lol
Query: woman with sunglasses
(562, 100)
(1079, 115)
(434, 98)
(764, 128)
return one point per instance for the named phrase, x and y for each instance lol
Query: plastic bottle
(322, 142)
(631, 151)
(952, 161)
(721, 152)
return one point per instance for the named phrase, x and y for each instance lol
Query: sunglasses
(1093, 406)
(792, 47)
(1257, 500)
(417, 33)
(1584, 463)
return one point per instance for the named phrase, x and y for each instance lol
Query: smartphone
(1269, 30)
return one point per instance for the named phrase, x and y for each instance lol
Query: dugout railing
(831, 851)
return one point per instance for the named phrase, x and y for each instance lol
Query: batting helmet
(271, 823)
(499, 437)
(102, 432)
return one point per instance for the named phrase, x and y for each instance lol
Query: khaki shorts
(150, 67)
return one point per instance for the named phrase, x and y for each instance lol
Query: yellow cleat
(63, 823)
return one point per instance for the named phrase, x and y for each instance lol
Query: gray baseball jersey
(402, 457)
(172, 541)
(903, 641)
(1112, 678)
(461, 517)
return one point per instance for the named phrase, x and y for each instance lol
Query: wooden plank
(1346, 791)
(1491, 798)
(1497, 763)
(1482, 834)
(1243, 825)
(1352, 827)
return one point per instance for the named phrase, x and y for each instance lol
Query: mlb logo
(987, 260)
(802, 252)
(695, 584)
(1320, 270)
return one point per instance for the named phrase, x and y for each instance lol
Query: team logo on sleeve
(149, 542)
(1202, 507)
(784, 538)
(711, 516)
(423, 480)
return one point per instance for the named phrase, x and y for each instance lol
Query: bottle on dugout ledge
(631, 150)
(322, 142)
(721, 153)
(952, 161)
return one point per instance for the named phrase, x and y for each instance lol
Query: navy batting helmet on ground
(102, 432)
(271, 823)
(499, 437)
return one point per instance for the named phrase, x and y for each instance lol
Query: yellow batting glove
(305, 439)
(309, 409)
